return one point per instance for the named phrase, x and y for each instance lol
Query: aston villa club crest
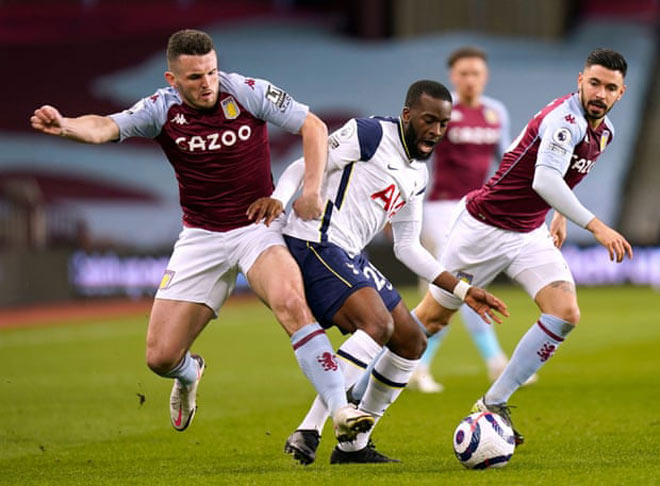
(230, 108)
(603, 139)
(491, 116)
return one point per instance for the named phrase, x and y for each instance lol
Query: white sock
(532, 351)
(185, 372)
(388, 379)
(356, 352)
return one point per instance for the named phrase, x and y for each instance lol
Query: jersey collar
(402, 138)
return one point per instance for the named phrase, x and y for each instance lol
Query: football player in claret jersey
(501, 226)
(212, 127)
(376, 174)
(477, 136)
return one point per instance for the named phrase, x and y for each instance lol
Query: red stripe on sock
(307, 338)
(549, 333)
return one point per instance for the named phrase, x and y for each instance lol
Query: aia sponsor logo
(570, 118)
(328, 361)
(214, 141)
(546, 352)
(389, 199)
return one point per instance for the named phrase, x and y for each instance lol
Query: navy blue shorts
(331, 276)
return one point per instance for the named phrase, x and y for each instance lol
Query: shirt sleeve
(290, 181)
(357, 140)
(266, 101)
(145, 118)
(409, 251)
(505, 131)
(559, 136)
(550, 185)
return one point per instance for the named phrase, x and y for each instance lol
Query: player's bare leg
(433, 315)
(173, 327)
(276, 279)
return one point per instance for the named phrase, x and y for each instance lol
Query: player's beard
(585, 106)
(410, 136)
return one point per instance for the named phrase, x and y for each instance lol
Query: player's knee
(380, 327)
(290, 309)
(160, 360)
(570, 314)
(435, 323)
(432, 315)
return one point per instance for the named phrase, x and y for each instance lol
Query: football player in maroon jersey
(501, 226)
(212, 127)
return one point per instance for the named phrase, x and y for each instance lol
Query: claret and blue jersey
(560, 137)
(220, 156)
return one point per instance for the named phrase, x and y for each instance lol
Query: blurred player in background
(477, 135)
(212, 127)
(501, 226)
(376, 174)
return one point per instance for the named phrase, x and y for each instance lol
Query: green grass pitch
(71, 412)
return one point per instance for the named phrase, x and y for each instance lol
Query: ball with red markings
(483, 440)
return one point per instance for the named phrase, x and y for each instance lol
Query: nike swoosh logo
(177, 422)
(389, 166)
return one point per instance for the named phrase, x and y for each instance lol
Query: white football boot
(183, 399)
(349, 422)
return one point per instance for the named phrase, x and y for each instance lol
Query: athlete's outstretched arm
(617, 246)
(409, 250)
(315, 152)
(550, 185)
(86, 128)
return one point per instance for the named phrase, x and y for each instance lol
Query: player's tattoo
(564, 285)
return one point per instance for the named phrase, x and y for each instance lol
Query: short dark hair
(467, 51)
(608, 59)
(431, 88)
(188, 42)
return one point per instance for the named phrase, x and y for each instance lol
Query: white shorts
(478, 253)
(204, 264)
(438, 217)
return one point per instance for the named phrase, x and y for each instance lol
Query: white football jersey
(370, 180)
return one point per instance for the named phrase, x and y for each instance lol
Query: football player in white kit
(501, 226)
(375, 175)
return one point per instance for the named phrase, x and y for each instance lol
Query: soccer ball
(483, 440)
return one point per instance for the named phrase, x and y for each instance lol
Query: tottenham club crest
(230, 108)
